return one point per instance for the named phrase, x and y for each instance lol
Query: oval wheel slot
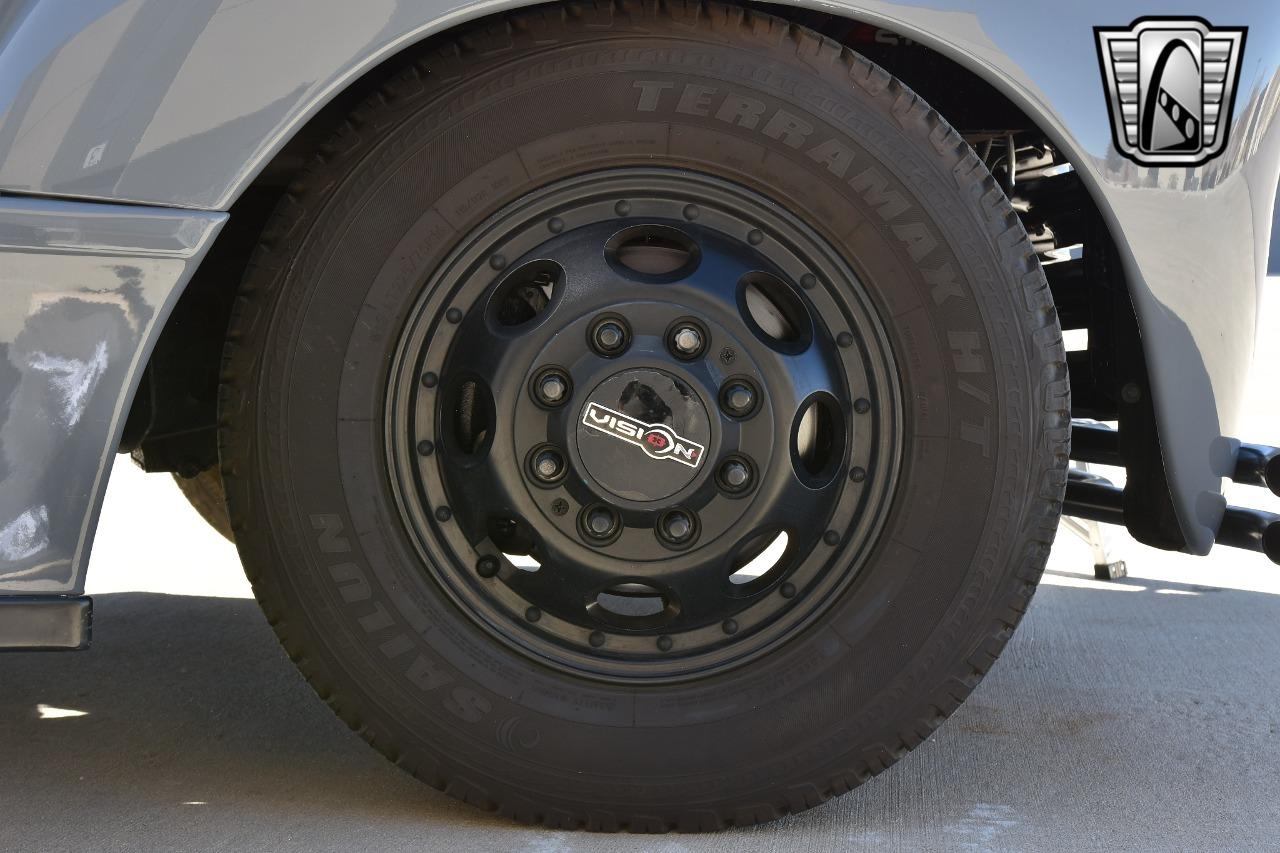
(632, 604)
(526, 292)
(473, 418)
(524, 562)
(818, 440)
(758, 558)
(775, 312)
(653, 252)
(516, 541)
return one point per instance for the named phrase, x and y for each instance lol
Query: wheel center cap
(642, 434)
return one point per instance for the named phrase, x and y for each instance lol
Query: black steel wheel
(672, 358)
(643, 417)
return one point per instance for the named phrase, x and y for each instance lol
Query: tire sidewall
(348, 580)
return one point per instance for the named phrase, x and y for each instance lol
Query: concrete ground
(1140, 714)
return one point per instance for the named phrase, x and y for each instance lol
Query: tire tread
(511, 32)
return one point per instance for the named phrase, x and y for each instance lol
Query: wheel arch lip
(88, 287)
(1061, 92)
(167, 149)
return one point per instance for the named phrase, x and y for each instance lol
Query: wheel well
(172, 423)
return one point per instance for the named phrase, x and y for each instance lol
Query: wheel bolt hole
(687, 339)
(547, 465)
(739, 398)
(677, 528)
(600, 523)
(552, 387)
(610, 336)
(735, 475)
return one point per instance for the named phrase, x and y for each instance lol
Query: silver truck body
(128, 129)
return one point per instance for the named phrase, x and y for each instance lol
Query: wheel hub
(649, 391)
(643, 434)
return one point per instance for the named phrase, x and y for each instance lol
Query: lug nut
(735, 475)
(548, 464)
(599, 522)
(609, 337)
(687, 341)
(551, 388)
(738, 398)
(676, 527)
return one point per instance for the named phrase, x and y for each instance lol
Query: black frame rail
(1098, 499)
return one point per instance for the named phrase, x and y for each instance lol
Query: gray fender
(181, 104)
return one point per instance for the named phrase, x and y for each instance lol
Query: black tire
(969, 317)
(205, 494)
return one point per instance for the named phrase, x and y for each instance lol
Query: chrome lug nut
(676, 527)
(551, 388)
(609, 337)
(548, 464)
(738, 399)
(735, 476)
(599, 522)
(687, 341)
